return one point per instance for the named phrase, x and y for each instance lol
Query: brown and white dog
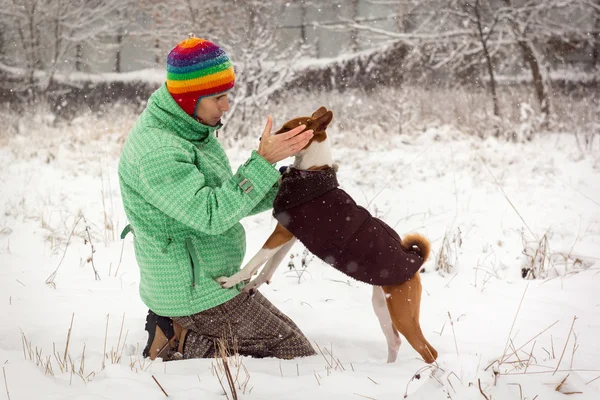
(359, 245)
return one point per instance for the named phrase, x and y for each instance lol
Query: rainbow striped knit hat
(197, 68)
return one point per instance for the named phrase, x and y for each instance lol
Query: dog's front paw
(253, 285)
(227, 282)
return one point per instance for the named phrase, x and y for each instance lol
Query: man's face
(211, 109)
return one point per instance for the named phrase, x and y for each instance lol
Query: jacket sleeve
(170, 181)
(267, 202)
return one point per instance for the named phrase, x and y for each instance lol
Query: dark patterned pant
(249, 324)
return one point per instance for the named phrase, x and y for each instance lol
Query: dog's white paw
(227, 282)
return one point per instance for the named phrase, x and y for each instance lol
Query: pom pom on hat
(198, 68)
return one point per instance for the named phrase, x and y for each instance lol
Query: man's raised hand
(274, 148)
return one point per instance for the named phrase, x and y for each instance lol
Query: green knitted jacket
(184, 206)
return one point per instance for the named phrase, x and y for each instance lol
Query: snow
(440, 183)
(150, 75)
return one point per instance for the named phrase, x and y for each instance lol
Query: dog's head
(318, 122)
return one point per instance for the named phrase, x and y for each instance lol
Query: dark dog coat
(334, 228)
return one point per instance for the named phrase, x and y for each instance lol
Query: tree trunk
(531, 59)
(354, 32)
(538, 81)
(78, 56)
(596, 35)
(303, 23)
(118, 55)
(2, 40)
(157, 59)
(488, 59)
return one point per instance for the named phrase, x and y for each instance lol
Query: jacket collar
(164, 108)
(299, 186)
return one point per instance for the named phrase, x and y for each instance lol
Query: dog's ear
(320, 123)
(319, 113)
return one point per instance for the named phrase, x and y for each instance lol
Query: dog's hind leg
(267, 272)
(385, 321)
(404, 302)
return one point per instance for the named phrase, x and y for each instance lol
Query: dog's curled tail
(416, 240)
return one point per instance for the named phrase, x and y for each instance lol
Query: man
(185, 204)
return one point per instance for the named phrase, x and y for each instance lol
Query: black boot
(161, 337)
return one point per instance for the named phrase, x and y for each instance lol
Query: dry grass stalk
(245, 384)
(551, 372)
(561, 383)
(50, 279)
(337, 362)
(565, 348)
(68, 337)
(575, 347)
(365, 397)
(59, 362)
(319, 382)
(520, 389)
(504, 359)
(115, 356)
(5, 383)
(108, 223)
(453, 333)
(441, 330)
(596, 378)
(89, 239)
(447, 257)
(105, 337)
(223, 352)
(120, 257)
(118, 360)
(450, 383)
(447, 284)
(530, 356)
(36, 356)
(518, 363)
(81, 365)
(161, 388)
(500, 187)
(417, 375)
(481, 390)
(321, 351)
(513, 324)
(372, 380)
(220, 382)
(540, 260)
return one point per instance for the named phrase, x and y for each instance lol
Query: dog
(311, 208)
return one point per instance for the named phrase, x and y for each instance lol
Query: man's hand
(275, 148)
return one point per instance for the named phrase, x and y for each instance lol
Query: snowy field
(499, 336)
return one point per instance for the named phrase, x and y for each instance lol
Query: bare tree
(47, 32)
(484, 19)
(593, 7)
(455, 35)
(167, 23)
(534, 22)
(262, 67)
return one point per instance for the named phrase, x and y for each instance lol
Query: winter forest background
(512, 66)
(473, 122)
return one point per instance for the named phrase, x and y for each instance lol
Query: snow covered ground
(438, 182)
